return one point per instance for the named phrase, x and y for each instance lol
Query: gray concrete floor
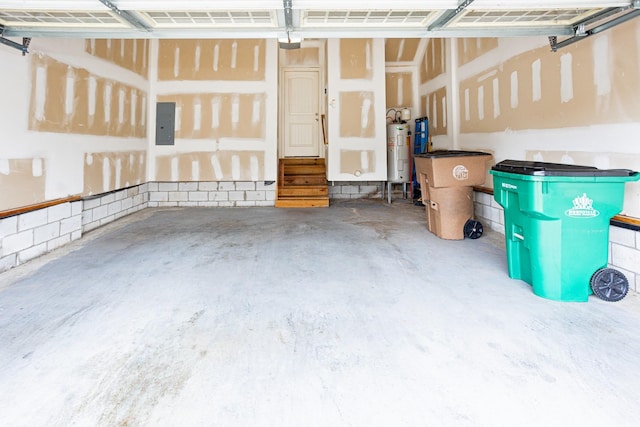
(349, 316)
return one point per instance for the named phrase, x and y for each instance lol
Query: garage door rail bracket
(24, 47)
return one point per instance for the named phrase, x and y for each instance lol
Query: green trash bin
(556, 220)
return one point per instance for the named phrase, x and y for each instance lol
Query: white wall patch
(121, 99)
(496, 98)
(106, 174)
(514, 90)
(176, 62)
(536, 80)
(235, 167)
(234, 54)
(195, 170)
(197, 114)
(91, 95)
(601, 65)
(215, 113)
(364, 117)
(41, 92)
(255, 168)
(216, 56)
(566, 77)
(467, 113)
(118, 172)
(107, 102)
(481, 103)
(70, 86)
(36, 167)
(217, 168)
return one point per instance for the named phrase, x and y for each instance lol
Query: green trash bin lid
(451, 153)
(522, 167)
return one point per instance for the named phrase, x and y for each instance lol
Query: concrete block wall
(105, 208)
(624, 254)
(355, 190)
(29, 235)
(488, 211)
(211, 194)
(624, 244)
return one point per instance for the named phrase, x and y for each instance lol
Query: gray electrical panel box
(165, 123)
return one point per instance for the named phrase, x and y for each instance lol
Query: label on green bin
(582, 208)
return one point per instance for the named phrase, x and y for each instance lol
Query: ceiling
(306, 18)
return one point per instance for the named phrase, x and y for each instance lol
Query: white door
(301, 114)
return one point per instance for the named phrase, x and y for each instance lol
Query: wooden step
(303, 190)
(307, 202)
(302, 161)
(304, 180)
(305, 170)
(302, 183)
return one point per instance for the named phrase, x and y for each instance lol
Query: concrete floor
(349, 316)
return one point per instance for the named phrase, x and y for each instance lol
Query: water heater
(398, 148)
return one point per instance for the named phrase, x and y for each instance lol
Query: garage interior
(134, 290)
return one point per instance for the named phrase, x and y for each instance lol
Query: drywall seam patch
(254, 167)
(601, 65)
(41, 92)
(175, 169)
(496, 98)
(36, 167)
(106, 174)
(536, 80)
(444, 111)
(514, 89)
(176, 62)
(195, 170)
(70, 83)
(235, 167)
(566, 77)
(481, 102)
(234, 54)
(217, 168)
(467, 113)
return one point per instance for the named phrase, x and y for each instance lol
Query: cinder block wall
(212, 194)
(624, 244)
(105, 208)
(29, 235)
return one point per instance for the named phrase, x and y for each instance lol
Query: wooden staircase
(302, 183)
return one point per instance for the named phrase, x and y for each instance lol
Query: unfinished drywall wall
(68, 99)
(230, 60)
(578, 105)
(471, 48)
(22, 182)
(434, 106)
(355, 59)
(113, 170)
(304, 57)
(399, 89)
(207, 166)
(356, 109)
(226, 109)
(400, 50)
(218, 115)
(126, 53)
(433, 60)
(58, 113)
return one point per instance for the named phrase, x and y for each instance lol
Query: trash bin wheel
(609, 284)
(473, 229)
